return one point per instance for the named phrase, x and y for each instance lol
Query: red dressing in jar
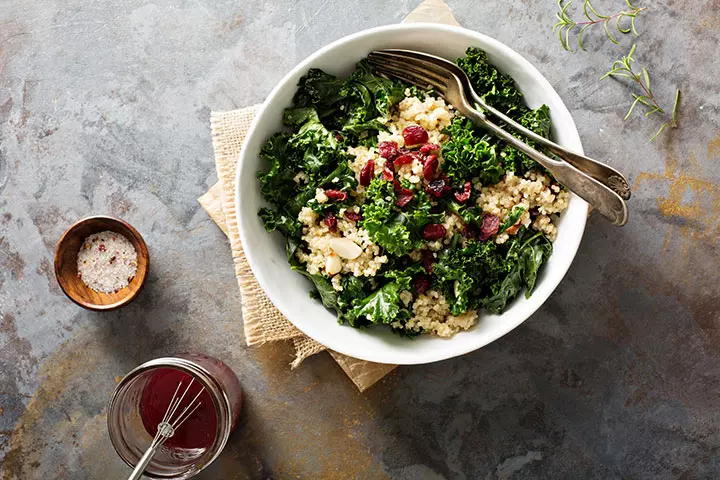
(199, 430)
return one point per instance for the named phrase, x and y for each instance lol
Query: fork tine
(428, 63)
(421, 68)
(410, 77)
(410, 73)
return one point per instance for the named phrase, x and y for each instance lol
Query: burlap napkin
(262, 321)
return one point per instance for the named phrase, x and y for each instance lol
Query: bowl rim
(94, 306)
(376, 356)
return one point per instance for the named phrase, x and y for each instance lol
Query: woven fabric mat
(262, 321)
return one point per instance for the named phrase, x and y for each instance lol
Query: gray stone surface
(104, 109)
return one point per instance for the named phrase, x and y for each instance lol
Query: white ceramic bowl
(289, 290)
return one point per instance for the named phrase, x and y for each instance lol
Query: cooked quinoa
(422, 239)
(532, 191)
(317, 236)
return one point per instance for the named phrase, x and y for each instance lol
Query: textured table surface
(104, 108)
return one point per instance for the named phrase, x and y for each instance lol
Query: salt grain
(106, 262)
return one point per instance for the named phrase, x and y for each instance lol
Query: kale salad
(402, 212)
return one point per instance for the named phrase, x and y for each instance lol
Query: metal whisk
(167, 427)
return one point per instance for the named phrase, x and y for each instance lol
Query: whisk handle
(143, 462)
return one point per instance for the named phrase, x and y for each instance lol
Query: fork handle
(599, 171)
(600, 196)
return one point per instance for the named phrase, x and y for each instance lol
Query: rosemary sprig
(623, 68)
(566, 24)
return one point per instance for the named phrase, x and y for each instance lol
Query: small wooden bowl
(66, 264)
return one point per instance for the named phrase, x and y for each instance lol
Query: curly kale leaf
(320, 90)
(462, 272)
(497, 89)
(354, 289)
(319, 145)
(387, 227)
(526, 253)
(369, 100)
(393, 235)
(323, 287)
(512, 218)
(384, 305)
(538, 121)
(277, 220)
(418, 211)
(470, 153)
(276, 184)
(470, 214)
(383, 91)
(345, 181)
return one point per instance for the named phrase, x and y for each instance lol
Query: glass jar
(130, 437)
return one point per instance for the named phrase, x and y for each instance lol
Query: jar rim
(223, 412)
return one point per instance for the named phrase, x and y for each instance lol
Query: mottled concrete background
(104, 109)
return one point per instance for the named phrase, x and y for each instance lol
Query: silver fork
(451, 87)
(598, 170)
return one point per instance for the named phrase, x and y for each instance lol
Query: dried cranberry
(339, 137)
(388, 174)
(414, 135)
(101, 248)
(404, 197)
(331, 221)
(470, 230)
(388, 150)
(428, 260)
(433, 231)
(464, 196)
(338, 195)
(390, 177)
(353, 216)
(437, 209)
(490, 226)
(438, 187)
(429, 147)
(367, 173)
(431, 165)
(403, 160)
(422, 283)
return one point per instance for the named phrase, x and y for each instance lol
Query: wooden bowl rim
(93, 306)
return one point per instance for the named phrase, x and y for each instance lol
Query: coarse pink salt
(106, 262)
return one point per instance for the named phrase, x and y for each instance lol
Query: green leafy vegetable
(496, 89)
(470, 153)
(386, 227)
(384, 305)
(512, 218)
(463, 271)
(276, 184)
(320, 90)
(323, 287)
(275, 220)
(526, 253)
(384, 92)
